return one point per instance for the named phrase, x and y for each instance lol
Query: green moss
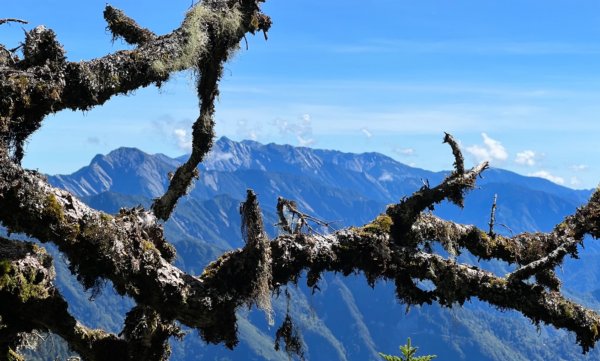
(22, 84)
(567, 309)
(594, 329)
(498, 282)
(484, 237)
(561, 228)
(380, 225)
(148, 246)
(106, 217)
(91, 230)
(53, 208)
(23, 287)
(37, 249)
(4, 267)
(7, 278)
(214, 267)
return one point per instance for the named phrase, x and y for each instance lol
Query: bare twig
(493, 217)
(302, 220)
(459, 161)
(12, 20)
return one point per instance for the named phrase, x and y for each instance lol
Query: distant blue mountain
(346, 320)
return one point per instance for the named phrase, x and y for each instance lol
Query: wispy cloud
(579, 167)
(175, 132)
(183, 138)
(248, 129)
(367, 133)
(300, 129)
(491, 150)
(406, 152)
(548, 176)
(526, 157)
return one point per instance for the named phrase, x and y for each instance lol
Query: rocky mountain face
(345, 319)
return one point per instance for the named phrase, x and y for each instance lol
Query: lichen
(23, 283)
(225, 23)
(382, 224)
(148, 246)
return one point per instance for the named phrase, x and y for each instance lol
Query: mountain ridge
(228, 156)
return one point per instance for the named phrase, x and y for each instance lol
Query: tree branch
(453, 188)
(29, 301)
(120, 25)
(12, 20)
(44, 83)
(219, 48)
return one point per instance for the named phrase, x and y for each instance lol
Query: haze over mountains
(346, 319)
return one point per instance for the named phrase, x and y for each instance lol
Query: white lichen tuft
(225, 23)
(263, 291)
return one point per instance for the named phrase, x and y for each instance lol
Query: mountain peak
(123, 170)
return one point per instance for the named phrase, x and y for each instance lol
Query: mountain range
(345, 319)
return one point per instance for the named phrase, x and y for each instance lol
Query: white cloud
(491, 150)
(221, 157)
(176, 132)
(183, 139)
(407, 152)
(305, 142)
(248, 130)
(367, 133)
(575, 182)
(300, 129)
(526, 157)
(546, 175)
(579, 167)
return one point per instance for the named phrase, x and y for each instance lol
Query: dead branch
(12, 20)
(493, 217)
(459, 161)
(299, 219)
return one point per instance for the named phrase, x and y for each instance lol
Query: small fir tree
(408, 354)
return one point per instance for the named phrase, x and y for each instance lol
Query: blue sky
(518, 82)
